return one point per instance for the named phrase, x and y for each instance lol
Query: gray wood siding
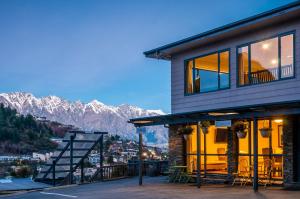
(283, 90)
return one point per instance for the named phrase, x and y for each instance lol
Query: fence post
(82, 173)
(53, 172)
(140, 156)
(101, 158)
(72, 137)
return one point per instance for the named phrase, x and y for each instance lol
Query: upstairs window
(266, 61)
(207, 73)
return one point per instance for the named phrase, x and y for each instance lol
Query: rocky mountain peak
(94, 115)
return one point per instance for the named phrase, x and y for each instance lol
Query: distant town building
(41, 157)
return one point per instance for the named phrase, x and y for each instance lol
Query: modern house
(243, 79)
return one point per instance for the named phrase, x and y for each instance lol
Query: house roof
(268, 110)
(276, 15)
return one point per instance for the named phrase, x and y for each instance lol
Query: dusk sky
(85, 50)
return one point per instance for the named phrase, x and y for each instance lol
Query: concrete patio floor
(154, 188)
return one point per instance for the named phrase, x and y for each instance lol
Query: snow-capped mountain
(88, 116)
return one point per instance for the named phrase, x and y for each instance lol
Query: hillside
(94, 115)
(22, 134)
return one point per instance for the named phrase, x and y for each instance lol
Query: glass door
(213, 150)
(270, 151)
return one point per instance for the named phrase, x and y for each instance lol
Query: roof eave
(158, 53)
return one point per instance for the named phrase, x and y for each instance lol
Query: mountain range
(90, 116)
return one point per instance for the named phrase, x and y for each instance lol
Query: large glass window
(213, 152)
(266, 61)
(270, 151)
(207, 73)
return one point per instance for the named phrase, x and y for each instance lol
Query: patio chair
(277, 166)
(176, 174)
(244, 173)
(267, 174)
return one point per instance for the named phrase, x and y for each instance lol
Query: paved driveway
(154, 188)
(20, 184)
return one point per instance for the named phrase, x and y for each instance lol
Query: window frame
(218, 52)
(248, 45)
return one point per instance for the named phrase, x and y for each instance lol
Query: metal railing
(111, 172)
(72, 165)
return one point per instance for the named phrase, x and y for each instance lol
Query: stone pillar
(231, 154)
(176, 146)
(288, 137)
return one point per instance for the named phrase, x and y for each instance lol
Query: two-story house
(235, 94)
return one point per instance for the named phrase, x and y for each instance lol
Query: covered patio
(258, 151)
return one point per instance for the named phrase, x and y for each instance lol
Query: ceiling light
(274, 61)
(278, 121)
(266, 46)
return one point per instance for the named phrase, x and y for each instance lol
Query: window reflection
(206, 77)
(209, 73)
(224, 69)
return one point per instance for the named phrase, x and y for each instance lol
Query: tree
(110, 159)
(23, 134)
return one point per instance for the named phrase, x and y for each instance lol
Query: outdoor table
(176, 173)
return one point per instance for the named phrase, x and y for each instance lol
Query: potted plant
(204, 126)
(185, 131)
(240, 129)
(265, 132)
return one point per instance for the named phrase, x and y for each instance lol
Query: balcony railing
(269, 75)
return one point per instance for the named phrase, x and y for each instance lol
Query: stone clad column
(231, 154)
(288, 150)
(176, 146)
